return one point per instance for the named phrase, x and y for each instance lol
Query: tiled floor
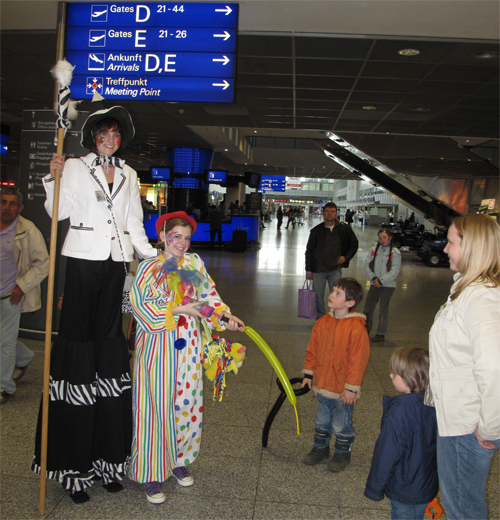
(235, 477)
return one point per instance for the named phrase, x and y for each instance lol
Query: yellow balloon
(274, 363)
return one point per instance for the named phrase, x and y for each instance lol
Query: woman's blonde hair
(479, 259)
(412, 366)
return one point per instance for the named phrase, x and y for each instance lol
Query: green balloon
(274, 363)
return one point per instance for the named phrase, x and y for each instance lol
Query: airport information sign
(153, 51)
(272, 183)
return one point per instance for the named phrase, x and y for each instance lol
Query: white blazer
(100, 220)
(464, 352)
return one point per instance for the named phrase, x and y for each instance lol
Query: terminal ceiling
(303, 69)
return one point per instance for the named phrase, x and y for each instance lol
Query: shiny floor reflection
(235, 477)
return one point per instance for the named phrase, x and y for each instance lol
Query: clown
(168, 383)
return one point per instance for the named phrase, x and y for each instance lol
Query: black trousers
(90, 406)
(214, 232)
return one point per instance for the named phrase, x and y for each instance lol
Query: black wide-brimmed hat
(98, 112)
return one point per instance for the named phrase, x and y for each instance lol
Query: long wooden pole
(48, 328)
(61, 17)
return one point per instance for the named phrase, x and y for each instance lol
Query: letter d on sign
(146, 14)
(149, 68)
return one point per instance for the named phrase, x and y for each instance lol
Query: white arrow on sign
(226, 35)
(225, 60)
(225, 85)
(227, 10)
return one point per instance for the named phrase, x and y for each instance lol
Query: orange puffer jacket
(338, 354)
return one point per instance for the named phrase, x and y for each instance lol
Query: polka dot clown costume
(168, 384)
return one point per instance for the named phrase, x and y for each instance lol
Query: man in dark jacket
(330, 247)
(215, 219)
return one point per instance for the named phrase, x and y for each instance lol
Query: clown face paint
(108, 141)
(177, 241)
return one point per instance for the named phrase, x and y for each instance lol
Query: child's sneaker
(317, 456)
(154, 493)
(183, 477)
(339, 462)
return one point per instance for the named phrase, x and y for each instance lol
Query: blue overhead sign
(153, 51)
(272, 183)
(153, 89)
(193, 64)
(153, 14)
(198, 39)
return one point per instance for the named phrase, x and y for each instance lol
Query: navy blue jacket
(404, 464)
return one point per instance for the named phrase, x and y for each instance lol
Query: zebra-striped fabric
(168, 385)
(81, 395)
(73, 480)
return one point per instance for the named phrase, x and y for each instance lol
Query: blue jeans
(401, 511)
(319, 282)
(333, 416)
(13, 351)
(463, 467)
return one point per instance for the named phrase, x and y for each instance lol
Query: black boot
(342, 456)
(339, 462)
(317, 456)
(79, 497)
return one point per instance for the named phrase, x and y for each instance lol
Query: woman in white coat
(90, 426)
(464, 373)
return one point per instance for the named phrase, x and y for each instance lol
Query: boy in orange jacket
(337, 357)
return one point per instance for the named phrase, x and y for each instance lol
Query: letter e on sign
(138, 37)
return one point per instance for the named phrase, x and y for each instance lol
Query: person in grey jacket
(330, 247)
(382, 266)
(24, 264)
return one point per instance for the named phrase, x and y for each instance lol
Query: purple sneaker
(183, 477)
(154, 493)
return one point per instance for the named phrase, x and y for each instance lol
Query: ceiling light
(485, 55)
(369, 108)
(420, 109)
(409, 52)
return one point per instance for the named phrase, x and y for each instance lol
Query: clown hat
(98, 112)
(176, 214)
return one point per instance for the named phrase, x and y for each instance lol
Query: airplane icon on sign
(97, 38)
(99, 13)
(96, 61)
